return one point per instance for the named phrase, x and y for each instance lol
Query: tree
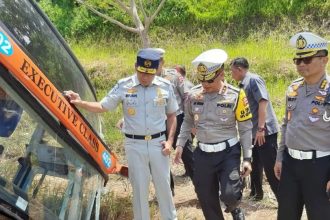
(142, 24)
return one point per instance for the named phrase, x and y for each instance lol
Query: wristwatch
(248, 159)
(261, 129)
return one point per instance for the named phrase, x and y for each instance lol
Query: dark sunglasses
(207, 81)
(305, 60)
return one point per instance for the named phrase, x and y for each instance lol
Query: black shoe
(256, 196)
(238, 214)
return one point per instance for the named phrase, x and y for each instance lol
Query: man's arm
(262, 114)
(89, 106)
(171, 128)
(279, 157)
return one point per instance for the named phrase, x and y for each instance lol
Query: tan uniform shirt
(181, 86)
(218, 116)
(303, 126)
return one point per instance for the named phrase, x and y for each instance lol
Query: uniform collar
(245, 80)
(311, 89)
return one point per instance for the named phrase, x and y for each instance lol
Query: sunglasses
(208, 81)
(306, 60)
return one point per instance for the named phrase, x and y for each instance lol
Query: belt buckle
(147, 137)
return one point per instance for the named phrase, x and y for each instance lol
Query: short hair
(181, 69)
(240, 62)
(322, 53)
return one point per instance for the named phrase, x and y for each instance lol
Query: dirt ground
(188, 207)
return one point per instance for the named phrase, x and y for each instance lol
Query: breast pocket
(224, 113)
(197, 108)
(315, 119)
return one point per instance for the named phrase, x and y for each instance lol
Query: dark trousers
(303, 182)
(212, 169)
(263, 158)
(187, 154)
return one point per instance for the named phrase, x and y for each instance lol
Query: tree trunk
(145, 40)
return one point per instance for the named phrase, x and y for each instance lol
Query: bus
(53, 160)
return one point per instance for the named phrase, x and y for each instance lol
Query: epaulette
(196, 92)
(163, 80)
(123, 80)
(298, 80)
(233, 88)
(296, 84)
(196, 88)
(170, 71)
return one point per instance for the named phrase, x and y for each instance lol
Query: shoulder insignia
(233, 88)
(298, 80)
(196, 92)
(169, 72)
(161, 79)
(124, 80)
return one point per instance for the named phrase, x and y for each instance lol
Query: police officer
(147, 101)
(219, 112)
(181, 87)
(265, 126)
(303, 159)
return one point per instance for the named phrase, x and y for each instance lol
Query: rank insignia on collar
(323, 84)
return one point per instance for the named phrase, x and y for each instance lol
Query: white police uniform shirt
(218, 116)
(304, 128)
(181, 86)
(144, 108)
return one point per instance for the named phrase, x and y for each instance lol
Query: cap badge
(147, 63)
(301, 42)
(202, 68)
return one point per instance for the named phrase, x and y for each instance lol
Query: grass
(108, 62)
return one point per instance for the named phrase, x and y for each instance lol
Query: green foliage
(239, 18)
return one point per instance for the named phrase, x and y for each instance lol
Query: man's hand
(328, 189)
(260, 138)
(120, 124)
(246, 169)
(278, 169)
(166, 148)
(178, 154)
(73, 97)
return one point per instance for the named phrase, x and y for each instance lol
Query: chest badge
(314, 111)
(131, 111)
(196, 117)
(313, 119)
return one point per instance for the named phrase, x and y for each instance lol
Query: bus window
(38, 169)
(10, 114)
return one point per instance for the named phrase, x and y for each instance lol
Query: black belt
(146, 137)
